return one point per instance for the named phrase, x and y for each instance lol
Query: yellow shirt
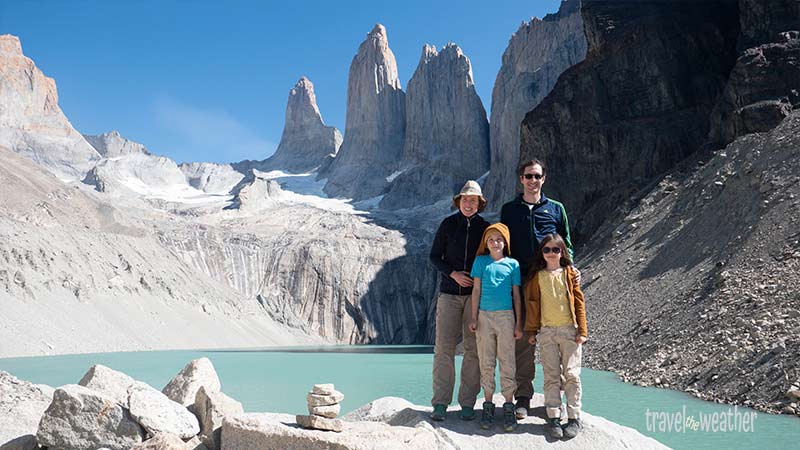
(555, 303)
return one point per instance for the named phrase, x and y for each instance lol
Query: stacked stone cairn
(323, 407)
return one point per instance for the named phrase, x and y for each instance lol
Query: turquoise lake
(277, 380)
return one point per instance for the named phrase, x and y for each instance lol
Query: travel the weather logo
(731, 421)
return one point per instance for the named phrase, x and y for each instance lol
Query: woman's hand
(462, 278)
(580, 340)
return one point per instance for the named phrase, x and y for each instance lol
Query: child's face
(495, 242)
(551, 252)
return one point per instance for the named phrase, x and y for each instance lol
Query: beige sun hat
(471, 187)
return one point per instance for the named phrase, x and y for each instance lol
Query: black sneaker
(487, 417)
(521, 409)
(572, 428)
(509, 417)
(553, 428)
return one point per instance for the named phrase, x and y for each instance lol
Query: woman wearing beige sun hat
(452, 253)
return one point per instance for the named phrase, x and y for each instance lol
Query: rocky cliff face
(764, 86)
(101, 280)
(638, 104)
(447, 133)
(31, 123)
(306, 141)
(536, 56)
(337, 275)
(373, 138)
(697, 288)
(111, 145)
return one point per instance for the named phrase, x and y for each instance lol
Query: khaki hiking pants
(495, 337)
(453, 314)
(560, 356)
(525, 354)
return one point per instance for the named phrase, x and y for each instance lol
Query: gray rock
(323, 389)
(393, 423)
(324, 400)
(447, 132)
(164, 441)
(536, 56)
(210, 177)
(32, 122)
(158, 414)
(375, 127)
(329, 411)
(211, 408)
(108, 381)
(279, 432)
(22, 405)
(183, 387)
(319, 423)
(305, 141)
(254, 192)
(111, 145)
(82, 419)
(761, 90)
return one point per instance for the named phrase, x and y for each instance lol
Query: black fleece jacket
(454, 248)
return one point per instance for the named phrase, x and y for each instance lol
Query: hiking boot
(467, 413)
(572, 428)
(521, 409)
(439, 412)
(509, 417)
(487, 417)
(553, 428)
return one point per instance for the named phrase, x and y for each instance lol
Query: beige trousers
(560, 356)
(495, 337)
(525, 354)
(453, 313)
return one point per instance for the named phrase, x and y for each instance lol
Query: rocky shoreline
(109, 410)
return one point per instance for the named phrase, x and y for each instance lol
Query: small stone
(793, 394)
(319, 423)
(323, 389)
(324, 400)
(330, 411)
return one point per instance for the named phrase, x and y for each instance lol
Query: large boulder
(82, 419)
(376, 121)
(277, 431)
(211, 408)
(108, 381)
(183, 387)
(22, 405)
(149, 407)
(158, 414)
(394, 423)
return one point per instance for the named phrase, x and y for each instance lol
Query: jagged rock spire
(375, 126)
(306, 141)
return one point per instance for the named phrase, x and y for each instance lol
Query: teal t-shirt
(497, 278)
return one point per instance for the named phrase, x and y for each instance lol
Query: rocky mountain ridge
(537, 53)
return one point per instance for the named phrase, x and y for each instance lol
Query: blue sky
(208, 81)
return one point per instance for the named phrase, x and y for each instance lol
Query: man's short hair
(529, 163)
